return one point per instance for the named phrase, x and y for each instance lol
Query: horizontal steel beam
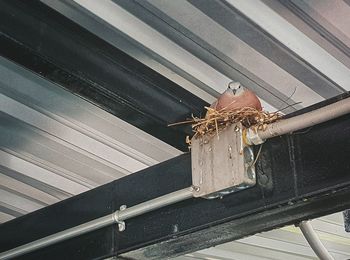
(300, 176)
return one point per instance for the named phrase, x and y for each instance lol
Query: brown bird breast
(229, 101)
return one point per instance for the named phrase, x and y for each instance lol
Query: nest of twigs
(216, 121)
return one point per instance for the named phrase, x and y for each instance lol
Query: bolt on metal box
(221, 164)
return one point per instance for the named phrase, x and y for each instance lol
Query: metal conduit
(314, 241)
(154, 204)
(289, 125)
(60, 236)
(113, 218)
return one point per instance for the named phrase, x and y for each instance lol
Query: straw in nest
(216, 121)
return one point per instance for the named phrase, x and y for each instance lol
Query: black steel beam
(46, 42)
(300, 176)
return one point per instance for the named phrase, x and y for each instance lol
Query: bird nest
(218, 120)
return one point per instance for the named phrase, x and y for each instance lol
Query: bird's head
(236, 88)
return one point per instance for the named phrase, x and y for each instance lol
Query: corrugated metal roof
(209, 43)
(55, 144)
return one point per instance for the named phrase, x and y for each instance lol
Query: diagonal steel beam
(32, 35)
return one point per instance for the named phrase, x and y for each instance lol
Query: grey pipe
(154, 204)
(314, 241)
(60, 236)
(289, 125)
(116, 217)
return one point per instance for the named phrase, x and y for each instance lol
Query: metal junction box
(222, 164)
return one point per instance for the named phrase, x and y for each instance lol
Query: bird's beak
(234, 91)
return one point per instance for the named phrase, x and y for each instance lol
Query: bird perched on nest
(236, 105)
(235, 97)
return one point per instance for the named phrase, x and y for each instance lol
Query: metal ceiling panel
(55, 145)
(168, 18)
(94, 70)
